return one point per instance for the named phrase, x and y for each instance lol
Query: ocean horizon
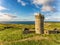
(17, 22)
(23, 22)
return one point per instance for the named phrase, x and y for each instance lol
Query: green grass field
(15, 36)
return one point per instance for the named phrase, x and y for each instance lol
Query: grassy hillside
(15, 35)
(39, 42)
(51, 26)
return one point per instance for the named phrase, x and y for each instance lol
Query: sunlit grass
(16, 33)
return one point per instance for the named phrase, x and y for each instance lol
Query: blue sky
(24, 10)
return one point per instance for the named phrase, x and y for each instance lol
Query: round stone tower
(39, 24)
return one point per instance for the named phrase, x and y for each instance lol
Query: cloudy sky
(24, 10)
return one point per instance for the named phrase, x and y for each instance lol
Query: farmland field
(12, 34)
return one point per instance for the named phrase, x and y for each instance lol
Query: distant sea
(17, 22)
(23, 22)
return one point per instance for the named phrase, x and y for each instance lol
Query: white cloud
(47, 8)
(45, 4)
(36, 13)
(3, 8)
(6, 17)
(39, 2)
(22, 2)
(54, 17)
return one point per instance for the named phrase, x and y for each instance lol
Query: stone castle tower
(39, 24)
